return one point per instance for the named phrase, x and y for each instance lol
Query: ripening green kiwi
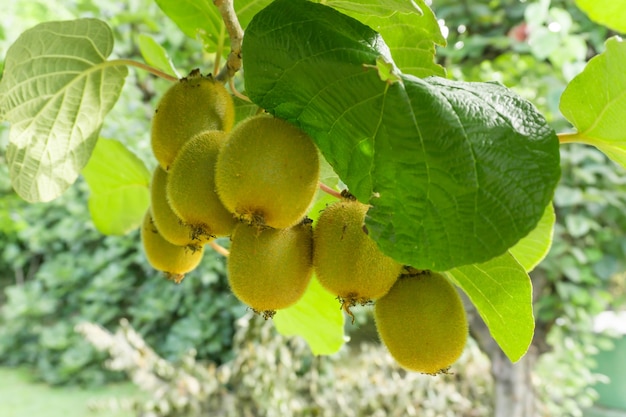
(422, 322)
(267, 172)
(169, 224)
(174, 260)
(191, 186)
(269, 269)
(194, 104)
(347, 262)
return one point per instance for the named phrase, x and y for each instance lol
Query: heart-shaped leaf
(56, 89)
(456, 172)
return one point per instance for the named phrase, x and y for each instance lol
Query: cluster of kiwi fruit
(255, 183)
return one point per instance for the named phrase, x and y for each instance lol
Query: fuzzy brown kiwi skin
(170, 226)
(194, 104)
(191, 186)
(347, 262)
(422, 322)
(267, 172)
(270, 269)
(175, 261)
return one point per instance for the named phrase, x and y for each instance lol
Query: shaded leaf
(56, 89)
(119, 183)
(502, 292)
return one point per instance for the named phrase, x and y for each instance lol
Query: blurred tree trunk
(514, 393)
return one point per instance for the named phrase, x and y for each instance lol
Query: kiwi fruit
(347, 262)
(422, 322)
(175, 261)
(194, 104)
(191, 187)
(267, 172)
(170, 226)
(270, 269)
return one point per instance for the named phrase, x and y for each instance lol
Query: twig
(219, 249)
(235, 32)
(329, 190)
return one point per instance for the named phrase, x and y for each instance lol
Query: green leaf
(119, 183)
(201, 19)
(533, 248)
(56, 90)
(317, 317)
(456, 172)
(155, 55)
(599, 116)
(610, 13)
(501, 291)
(410, 30)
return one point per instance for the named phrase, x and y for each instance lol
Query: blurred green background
(57, 271)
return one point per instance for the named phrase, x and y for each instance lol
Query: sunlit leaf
(533, 248)
(595, 102)
(610, 13)
(155, 55)
(119, 183)
(502, 292)
(317, 318)
(56, 89)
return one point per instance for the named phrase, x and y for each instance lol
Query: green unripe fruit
(174, 261)
(267, 172)
(422, 322)
(170, 226)
(191, 186)
(347, 262)
(194, 104)
(270, 269)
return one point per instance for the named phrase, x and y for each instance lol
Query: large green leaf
(410, 30)
(595, 102)
(610, 13)
(316, 317)
(56, 89)
(119, 183)
(534, 247)
(502, 293)
(456, 172)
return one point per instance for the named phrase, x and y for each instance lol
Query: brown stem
(235, 32)
(329, 190)
(219, 249)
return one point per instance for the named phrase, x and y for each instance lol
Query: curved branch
(235, 32)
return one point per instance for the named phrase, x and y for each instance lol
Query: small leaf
(533, 248)
(155, 55)
(610, 13)
(201, 19)
(317, 317)
(56, 90)
(595, 102)
(456, 172)
(501, 291)
(119, 183)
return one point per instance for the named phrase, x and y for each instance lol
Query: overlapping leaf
(456, 172)
(56, 89)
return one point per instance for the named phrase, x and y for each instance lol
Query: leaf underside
(55, 91)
